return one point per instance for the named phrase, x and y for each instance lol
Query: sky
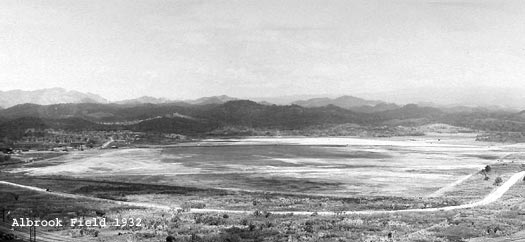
(398, 50)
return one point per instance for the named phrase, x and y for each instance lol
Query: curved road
(50, 237)
(75, 196)
(490, 198)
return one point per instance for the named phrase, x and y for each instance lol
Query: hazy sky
(250, 48)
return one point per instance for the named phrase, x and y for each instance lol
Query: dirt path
(51, 237)
(490, 198)
(517, 237)
(450, 186)
(75, 196)
(105, 145)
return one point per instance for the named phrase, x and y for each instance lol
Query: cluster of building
(50, 139)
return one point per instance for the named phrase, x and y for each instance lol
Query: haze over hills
(142, 100)
(227, 116)
(204, 119)
(474, 96)
(343, 101)
(211, 100)
(199, 101)
(47, 96)
(348, 102)
(288, 99)
(50, 96)
(356, 103)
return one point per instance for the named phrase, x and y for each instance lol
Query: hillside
(211, 100)
(199, 120)
(143, 100)
(348, 102)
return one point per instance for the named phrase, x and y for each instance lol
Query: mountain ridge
(203, 119)
(348, 102)
(47, 96)
(143, 100)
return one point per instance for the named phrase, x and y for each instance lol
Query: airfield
(345, 166)
(423, 188)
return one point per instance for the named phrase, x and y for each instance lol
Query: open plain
(252, 188)
(413, 166)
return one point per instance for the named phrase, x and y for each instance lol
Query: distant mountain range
(47, 96)
(51, 96)
(59, 96)
(205, 119)
(450, 96)
(343, 102)
(493, 101)
(142, 100)
(211, 100)
(73, 111)
(348, 102)
(199, 101)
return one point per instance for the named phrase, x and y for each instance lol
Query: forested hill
(190, 119)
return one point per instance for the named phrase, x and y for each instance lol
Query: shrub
(252, 227)
(458, 233)
(208, 219)
(498, 181)
(244, 222)
(230, 237)
(308, 227)
(192, 204)
(488, 168)
(4, 157)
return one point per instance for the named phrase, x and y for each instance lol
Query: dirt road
(75, 196)
(490, 198)
(449, 187)
(105, 145)
(517, 237)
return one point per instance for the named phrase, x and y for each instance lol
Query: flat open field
(281, 186)
(403, 167)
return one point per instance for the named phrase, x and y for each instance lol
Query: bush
(458, 233)
(192, 204)
(244, 222)
(208, 219)
(170, 239)
(230, 238)
(498, 181)
(4, 157)
(488, 168)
